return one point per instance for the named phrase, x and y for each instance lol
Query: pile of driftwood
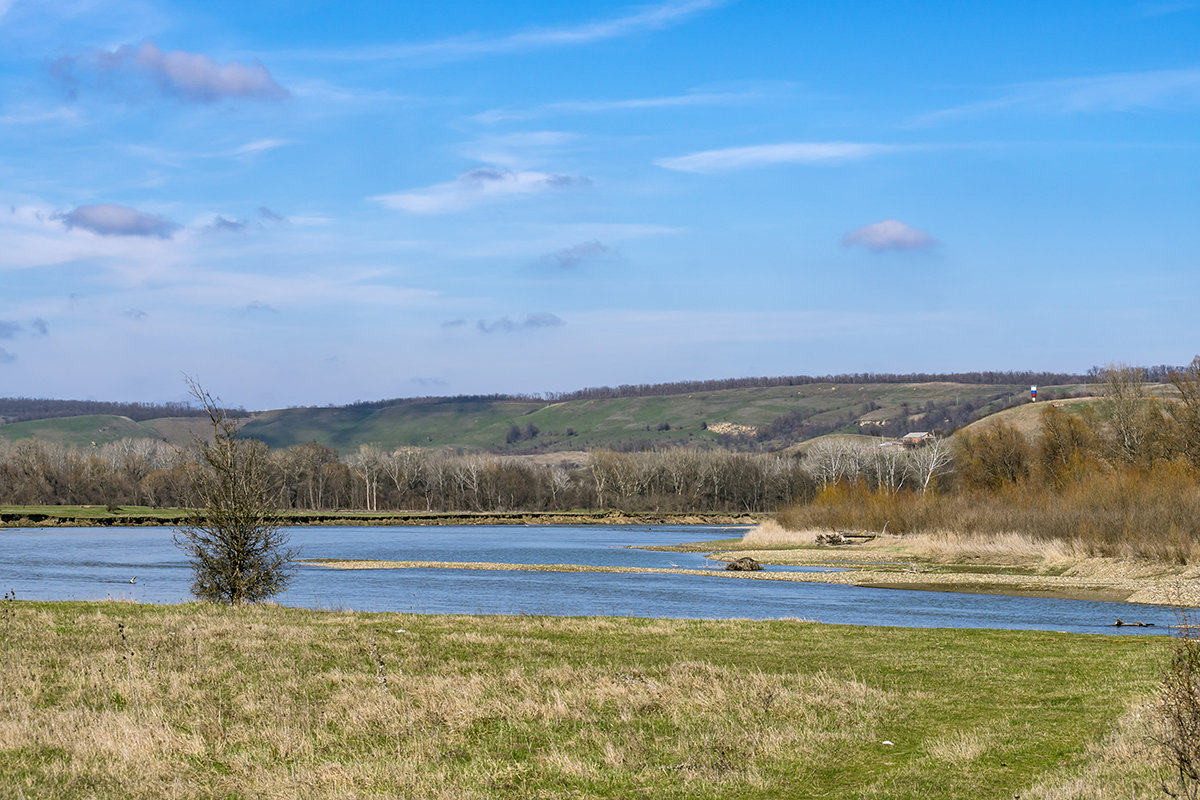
(843, 537)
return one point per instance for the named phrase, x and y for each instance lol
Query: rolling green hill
(521, 426)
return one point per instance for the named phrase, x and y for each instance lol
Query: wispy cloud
(1160, 9)
(1117, 92)
(602, 106)
(888, 235)
(541, 319)
(734, 158)
(259, 146)
(480, 185)
(7, 357)
(643, 20)
(516, 150)
(9, 329)
(31, 116)
(134, 72)
(113, 220)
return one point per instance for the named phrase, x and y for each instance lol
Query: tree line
(25, 409)
(312, 476)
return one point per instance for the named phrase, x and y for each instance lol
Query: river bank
(1008, 565)
(140, 516)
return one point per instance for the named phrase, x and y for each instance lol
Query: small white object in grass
(889, 744)
(401, 630)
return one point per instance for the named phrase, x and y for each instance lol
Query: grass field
(115, 700)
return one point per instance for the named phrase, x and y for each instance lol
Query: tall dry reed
(1131, 512)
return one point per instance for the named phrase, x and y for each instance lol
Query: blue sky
(310, 202)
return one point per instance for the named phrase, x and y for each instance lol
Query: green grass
(115, 700)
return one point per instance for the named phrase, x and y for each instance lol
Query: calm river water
(98, 563)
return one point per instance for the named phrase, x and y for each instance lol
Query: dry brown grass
(221, 703)
(205, 702)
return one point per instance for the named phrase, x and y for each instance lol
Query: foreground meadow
(116, 700)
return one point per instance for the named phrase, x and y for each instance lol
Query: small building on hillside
(917, 438)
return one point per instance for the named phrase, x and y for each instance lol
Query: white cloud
(480, 185)
(888, 235)
(601, 106)
(733, 158)
(259, 146)
(192, 77)
(1116, 92)
(645, 19)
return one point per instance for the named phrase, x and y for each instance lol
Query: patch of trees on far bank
(26, 409)
(1119, 478)
(316, 477)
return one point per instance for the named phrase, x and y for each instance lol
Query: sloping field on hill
(531, 426)
(1028, 418)
(79, 431)
(700, 417)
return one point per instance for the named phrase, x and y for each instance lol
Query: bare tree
(929, 462)
(367, 464)
(237, 549)
(1133, 417)
(1187, 412)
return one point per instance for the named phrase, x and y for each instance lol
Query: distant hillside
(747, 416)
(758, 418)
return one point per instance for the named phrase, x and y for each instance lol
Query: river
(99, 563)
